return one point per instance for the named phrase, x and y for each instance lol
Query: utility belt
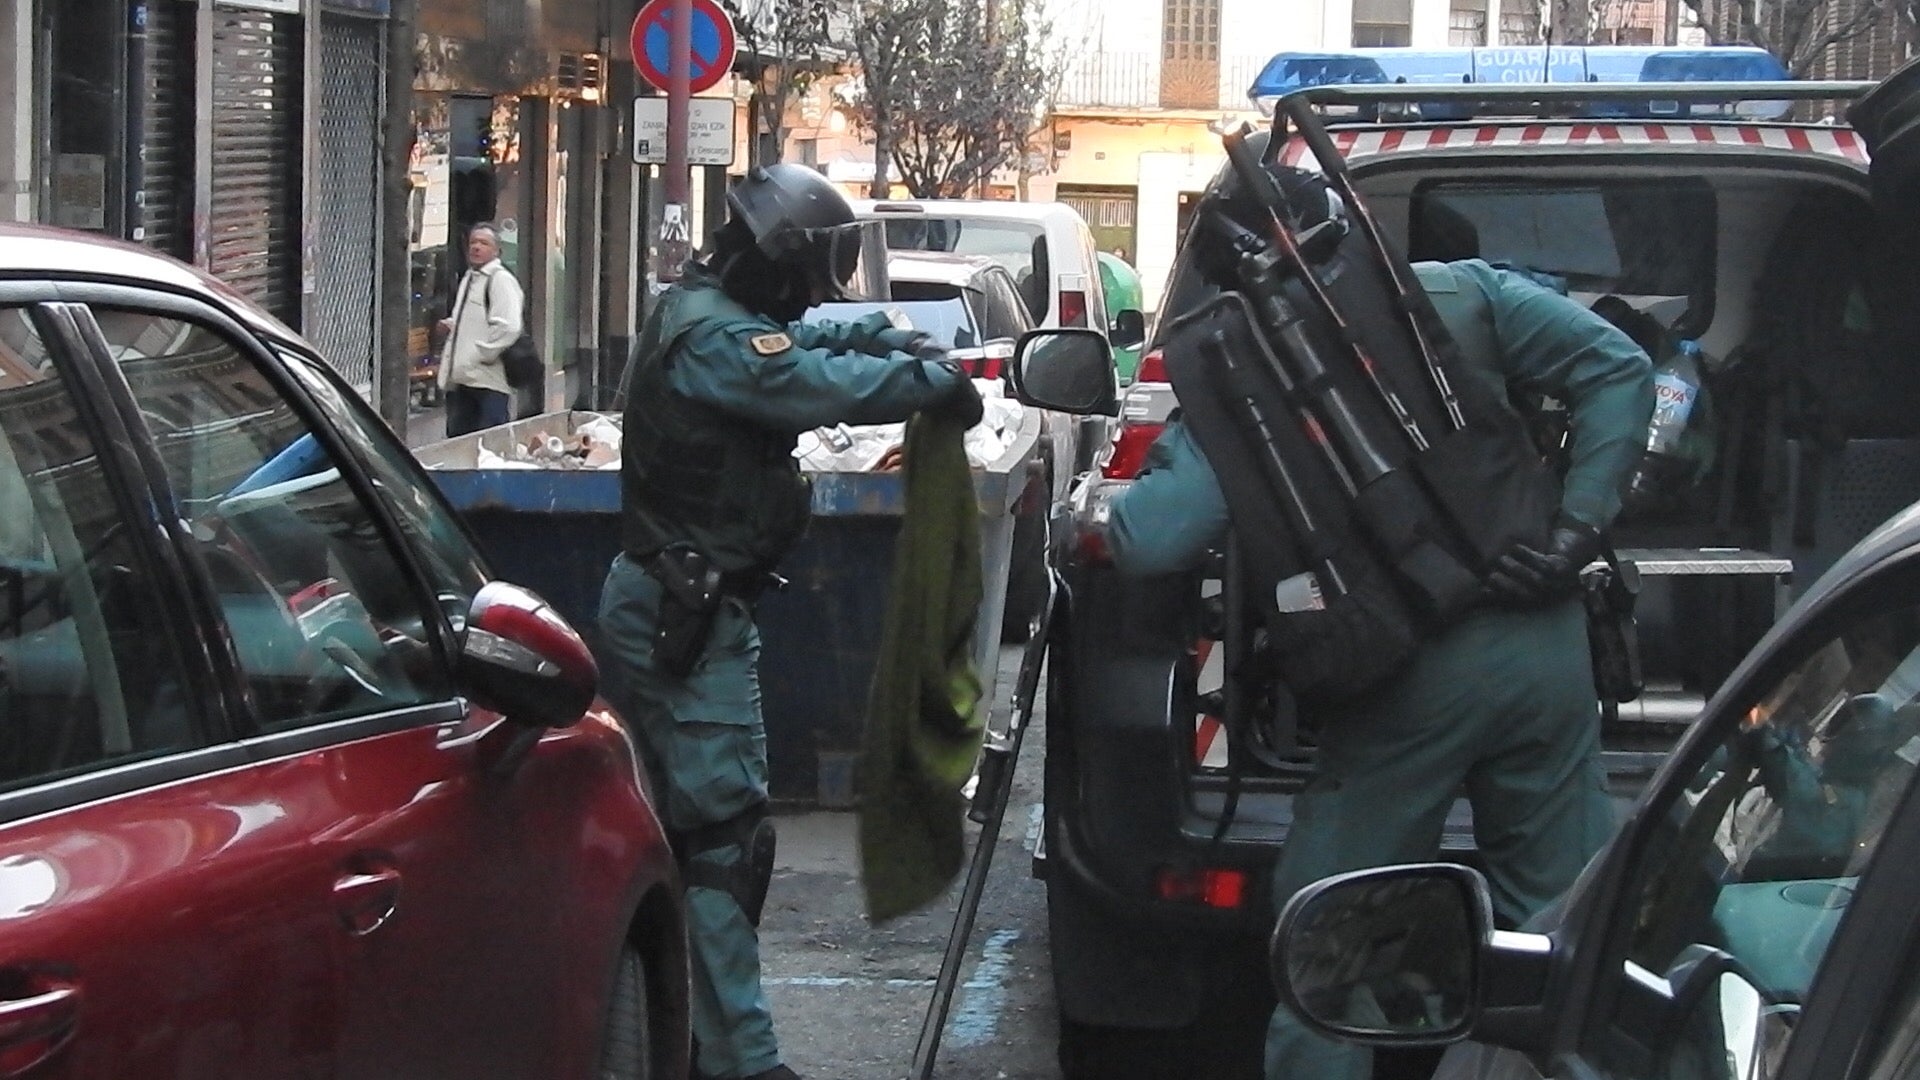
(691, 592)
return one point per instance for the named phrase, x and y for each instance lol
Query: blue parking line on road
(986, 992)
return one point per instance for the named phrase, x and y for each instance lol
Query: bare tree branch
(790, 43)
(951, 92)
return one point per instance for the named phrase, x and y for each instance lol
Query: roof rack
(1574, 93)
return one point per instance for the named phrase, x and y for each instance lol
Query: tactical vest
(1351, 574)
(693, 473)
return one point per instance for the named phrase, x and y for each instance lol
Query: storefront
(510, 123)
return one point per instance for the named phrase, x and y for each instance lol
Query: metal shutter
(167, 117)
(346, 197)
(255, 217)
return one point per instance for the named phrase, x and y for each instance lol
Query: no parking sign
(711, 36)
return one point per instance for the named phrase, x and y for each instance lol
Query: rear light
(1073, 300)
(1153, 368)
(1143, 416)
(1130, 450)
(1073, 309)
(986, 362)
(1216, 887)
(1092, 507)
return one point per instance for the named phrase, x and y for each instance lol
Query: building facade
(1133, 143)
(222, 132)
(246, 136)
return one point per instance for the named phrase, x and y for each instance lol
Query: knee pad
(748, 877)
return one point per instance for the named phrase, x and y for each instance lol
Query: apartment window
(1382, 23)
(1519, 27)
(1190, 30)
(1467, 25)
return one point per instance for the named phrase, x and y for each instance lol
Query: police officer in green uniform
(1500, 705)
(722, 383)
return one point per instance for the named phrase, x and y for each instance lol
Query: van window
(1019, 246)
(1652, 239)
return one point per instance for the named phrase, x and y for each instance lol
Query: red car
(289, 785)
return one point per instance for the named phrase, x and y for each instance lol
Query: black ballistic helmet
(797, 218)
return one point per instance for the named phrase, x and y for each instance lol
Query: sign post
(681, 47)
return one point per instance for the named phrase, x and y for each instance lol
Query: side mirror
(1068, 370)
(1129, 330)
(1390, 957)
(519, 658)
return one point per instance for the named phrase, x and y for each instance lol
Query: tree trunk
(882, 160)
(393, 379)
(1571, 22)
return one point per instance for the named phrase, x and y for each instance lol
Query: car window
(943, 316)
(324, 618)
(89, 673)
(1005, 316)
(446, 551)
(1758, 854)
(1019, 246)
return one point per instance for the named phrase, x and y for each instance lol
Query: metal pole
(988, 810)
(393, 365)
(675, 240)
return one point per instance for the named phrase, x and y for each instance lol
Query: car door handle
(35, 1027)
(365, 900)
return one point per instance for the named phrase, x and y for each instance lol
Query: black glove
(962, 402)
(1530, 577)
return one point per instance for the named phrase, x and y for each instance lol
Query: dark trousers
(470, 408)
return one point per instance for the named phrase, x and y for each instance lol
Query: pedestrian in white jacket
(485, 320)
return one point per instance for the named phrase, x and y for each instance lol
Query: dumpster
(555, 530)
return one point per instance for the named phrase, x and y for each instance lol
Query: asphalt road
(849, 997)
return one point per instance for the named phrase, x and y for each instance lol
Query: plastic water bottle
(1676, 386)
(1676, 389)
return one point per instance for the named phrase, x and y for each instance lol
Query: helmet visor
(853, 259)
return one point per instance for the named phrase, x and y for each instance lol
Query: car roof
(44, 252)
(991, 209)
(938, 267)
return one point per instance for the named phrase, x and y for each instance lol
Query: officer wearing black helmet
(722, 383)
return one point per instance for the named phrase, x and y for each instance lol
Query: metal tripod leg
(989, 809)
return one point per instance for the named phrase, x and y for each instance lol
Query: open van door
(1888, 119)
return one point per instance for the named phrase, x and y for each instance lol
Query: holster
(690, 595)
(1609, 594)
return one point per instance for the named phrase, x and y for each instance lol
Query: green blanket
(924, 714)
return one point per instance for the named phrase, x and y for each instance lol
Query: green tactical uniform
(717, 398)
(1501, 704)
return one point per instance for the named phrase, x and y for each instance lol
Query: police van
(1729, 226)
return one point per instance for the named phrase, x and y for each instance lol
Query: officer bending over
(721, 385)
(1500, 704)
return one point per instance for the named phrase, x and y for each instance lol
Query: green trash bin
(1121, 283)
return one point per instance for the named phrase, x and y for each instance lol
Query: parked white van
(1048, 249)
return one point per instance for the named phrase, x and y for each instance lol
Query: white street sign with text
(709, 135)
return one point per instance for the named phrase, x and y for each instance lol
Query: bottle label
(1673, 398)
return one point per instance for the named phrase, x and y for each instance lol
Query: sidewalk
(424, 426)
